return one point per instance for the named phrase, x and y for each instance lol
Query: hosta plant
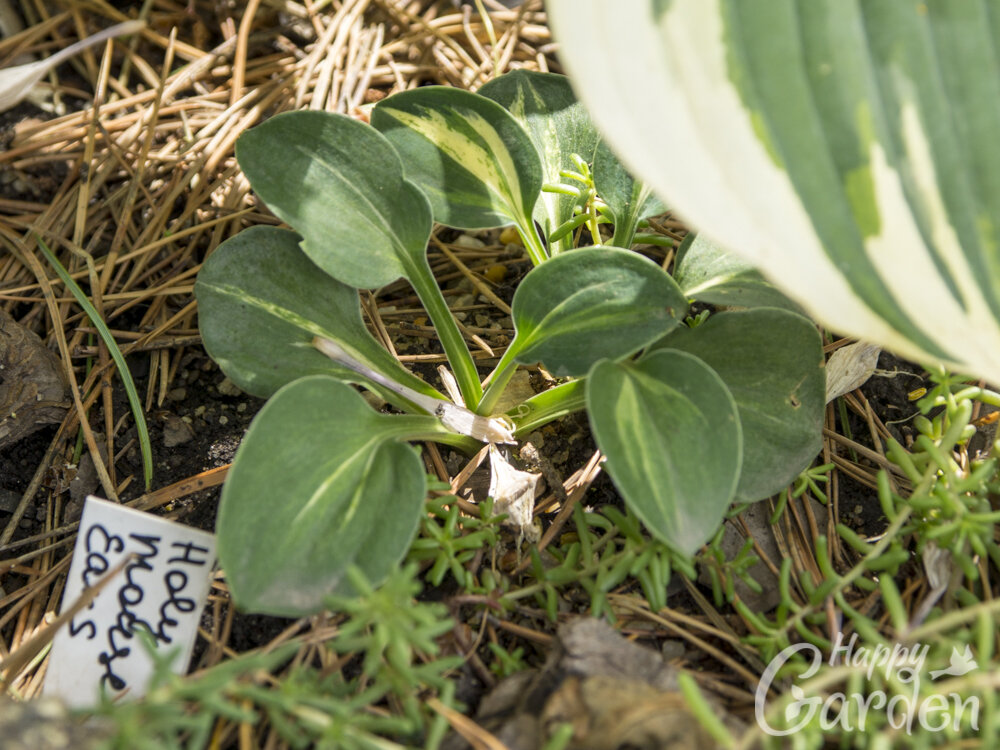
(847, 149)
(691, 414)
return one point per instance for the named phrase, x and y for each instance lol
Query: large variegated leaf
(847, 149)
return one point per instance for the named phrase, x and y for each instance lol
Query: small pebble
(672, 649)
(228, 388)
(473, 243)
(482, 320)
(496, 273)
(241, 407)
(509, 236)
(176, 431)
(177, 394)
(537, 439)
(223, 419)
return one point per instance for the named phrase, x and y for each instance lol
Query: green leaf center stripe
(363, 453)
(242, 295)
(478, 141)
(376, 221)
(650, 448)
(569, 303)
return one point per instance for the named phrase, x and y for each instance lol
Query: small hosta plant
(692, 414)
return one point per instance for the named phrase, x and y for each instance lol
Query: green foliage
(561, 131)
(450, 540)
(673, 440)
(321, 482)
(777, 396)
(395, 636)
(947, 525)
(260, 294)
(846, 150)
(320, 518)
(708, 273)
(596, 303)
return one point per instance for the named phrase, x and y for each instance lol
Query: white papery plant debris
(16, 82)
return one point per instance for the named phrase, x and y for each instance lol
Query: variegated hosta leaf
(707, 273)
(260, 303)
(340, 185)
(558, 125)
(588, 304)
(847, 149)
(628, 198)
(467, 153)
(321, 482)
(671, 432)
(772, 363)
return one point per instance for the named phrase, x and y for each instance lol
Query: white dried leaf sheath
(455, 418)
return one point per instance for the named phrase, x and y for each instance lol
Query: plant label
(161, 590)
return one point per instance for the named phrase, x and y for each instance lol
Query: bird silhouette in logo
(961, 663)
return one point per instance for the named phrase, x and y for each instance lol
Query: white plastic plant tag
(163, 590)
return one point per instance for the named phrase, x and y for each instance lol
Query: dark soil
(888, 393)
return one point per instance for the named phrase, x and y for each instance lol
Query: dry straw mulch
(132, 181)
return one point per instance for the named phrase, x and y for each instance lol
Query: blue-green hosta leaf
(629, 199)
(772, 362)
(847, 149)
(467, 153)
(340, 185)
(707, 273)
(589, 304)
(558, 125)
(671, 433)
(320, 482)
(260, 303)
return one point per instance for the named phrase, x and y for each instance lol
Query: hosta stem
(498, 381)
(548, 406)
(532, 241)
(454, 345)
